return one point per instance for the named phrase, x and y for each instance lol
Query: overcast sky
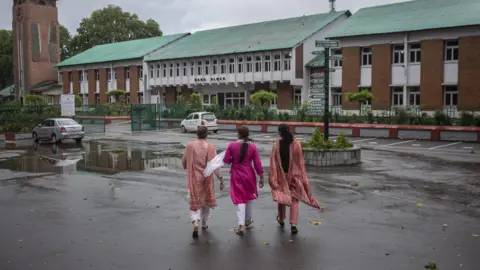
(175, 16)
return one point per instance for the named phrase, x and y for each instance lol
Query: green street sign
(327, 43)
(317, 86)
(318, 75)
(317, 81)
(336, 57)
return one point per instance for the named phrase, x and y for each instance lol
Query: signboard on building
(67, 105)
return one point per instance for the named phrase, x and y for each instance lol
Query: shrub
(342, 142)
(318, 142)
(467, 119)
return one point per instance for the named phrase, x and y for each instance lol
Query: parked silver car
(58, 129)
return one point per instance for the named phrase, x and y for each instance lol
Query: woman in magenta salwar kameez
(243, 181)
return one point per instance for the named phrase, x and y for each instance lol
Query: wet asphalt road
(121, 205)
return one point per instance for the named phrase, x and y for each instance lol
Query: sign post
(320, 92)
(67, 105)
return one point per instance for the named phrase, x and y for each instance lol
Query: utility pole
(326, 114)
(332, 5)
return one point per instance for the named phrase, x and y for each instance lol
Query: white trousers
(201, 214)
(244, 212)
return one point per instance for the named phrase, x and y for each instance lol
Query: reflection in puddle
(89, 157)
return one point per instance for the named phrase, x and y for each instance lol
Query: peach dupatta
(200, 188)
(293, 184)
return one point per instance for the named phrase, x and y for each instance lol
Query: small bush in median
(318, 142)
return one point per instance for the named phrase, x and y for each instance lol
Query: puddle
(95, 157)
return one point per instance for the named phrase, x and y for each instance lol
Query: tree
(6, 58)
(35, 100)
(196, 101)
(262, 97)
(361, 97)
(78, 101)
(65, 40)
(109, 25)
(118, 94)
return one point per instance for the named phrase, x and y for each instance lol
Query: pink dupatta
(294, 184)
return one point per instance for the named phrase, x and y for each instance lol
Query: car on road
(58, 129)
(193, 120)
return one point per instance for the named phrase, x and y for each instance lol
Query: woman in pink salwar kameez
(288, 178)
(243, 181)
(200, 188)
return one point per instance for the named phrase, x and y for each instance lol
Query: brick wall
(66, 82)
(431, 74)
(381, 76)
(103, 85)
(299, 66)
(469, 73)
(284, 96)
(350, 75)
(121, 85)
(92, 86)
(134, 84)
(76, 82)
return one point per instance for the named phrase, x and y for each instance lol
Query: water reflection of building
(103, 159)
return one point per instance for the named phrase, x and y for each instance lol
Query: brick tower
(36, 44)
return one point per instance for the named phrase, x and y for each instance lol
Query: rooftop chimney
(332, 5)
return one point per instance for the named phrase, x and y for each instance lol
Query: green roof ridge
(409, 16)
(258, 36)
(119, 51)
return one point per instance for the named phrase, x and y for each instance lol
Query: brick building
(423, 53)
(233, 62)
(117, 66)
(36, 47)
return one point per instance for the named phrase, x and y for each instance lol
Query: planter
(332, 157)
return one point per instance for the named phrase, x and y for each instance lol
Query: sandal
(204, 228)
(294, 229)
(280, 222)
(239, 231)
(195, 229)
(248, 223)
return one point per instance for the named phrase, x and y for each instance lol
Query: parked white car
(193, 120)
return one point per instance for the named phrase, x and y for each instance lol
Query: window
(127, 73)
(164, 70)
(249, 64)
(258, 64)
(450, 96)
(222, 66)
(235, 99)
(158, 70)
(141, 72)
(109, 74)
(397, 96)
(337, 63)
(398, 54)
(97, 75)
(152, 71)
(415, 53)
(277, 62)
(366, 56)
(451, 50)
(414, 96)
(268, 63)
(115, 74)
(240, 64)
(192, 68)
(209, 98)
(199, 68)
(171, 69)
(207, 67)
(50, 102)
(297, 96)
(81, 76)
(336, 96)
(214, 67)
(178, 69)
(287, 65)
(231, 65)
(184, 68)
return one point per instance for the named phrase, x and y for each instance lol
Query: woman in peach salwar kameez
(288, 178)
(200, 188)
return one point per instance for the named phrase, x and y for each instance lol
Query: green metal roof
(7, 91)
(318, 61)
(120, 51)
(410, 16)
(44, 86)
(278, 34)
